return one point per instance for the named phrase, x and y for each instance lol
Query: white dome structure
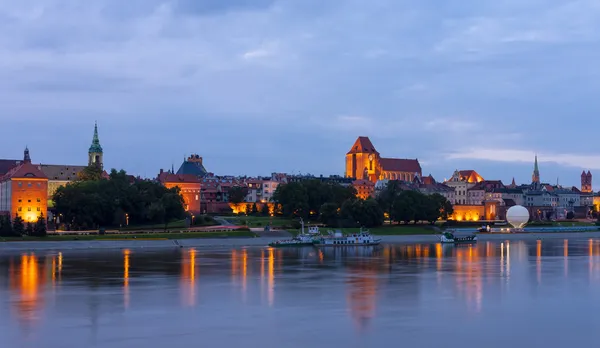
(517, 216)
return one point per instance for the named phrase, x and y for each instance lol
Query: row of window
(28, 209)
(29, 200)
(29, 184)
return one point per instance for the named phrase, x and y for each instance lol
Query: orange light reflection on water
(126, 254)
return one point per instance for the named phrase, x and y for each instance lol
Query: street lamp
(193, 219)
(126, 219)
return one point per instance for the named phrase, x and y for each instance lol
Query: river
(524, 293)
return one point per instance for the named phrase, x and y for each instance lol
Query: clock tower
(362, 161)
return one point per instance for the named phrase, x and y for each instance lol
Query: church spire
(26, 157)
(95, 152)
(535, 178)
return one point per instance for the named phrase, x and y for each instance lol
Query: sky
(264, 86)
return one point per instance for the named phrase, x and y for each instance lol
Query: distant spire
(535, 178)
(172, 169)
(26, 157)
(95, 147)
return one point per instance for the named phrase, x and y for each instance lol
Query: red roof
(363, 145)
(6, 165)
(428, 180)
(362, 183)
(166, 177)
(24, 170)
(400, 165)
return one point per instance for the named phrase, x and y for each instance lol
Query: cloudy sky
(257, 86)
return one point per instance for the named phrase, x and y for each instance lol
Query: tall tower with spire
(95, 154)
(535, 178)
(26, 157)
(586, 182)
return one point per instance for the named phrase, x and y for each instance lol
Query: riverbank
(30, 246)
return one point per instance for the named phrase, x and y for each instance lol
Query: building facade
(189, 188)
(363, 162)
(24, 191)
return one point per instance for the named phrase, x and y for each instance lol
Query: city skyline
(282, 86)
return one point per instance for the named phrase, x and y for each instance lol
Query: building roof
(23, 171)
(363, 145)
(363, 183)
(167, 177)
(488, 185)
(400, 165)
(193, 166)
(7, 164)
(470, 176)
(60, 172)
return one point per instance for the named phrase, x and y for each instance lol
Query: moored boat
(301, 240)
(337, 238)
(449, 237)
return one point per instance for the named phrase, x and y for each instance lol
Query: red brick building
(189, 185)
(24, 191)
(364, 188)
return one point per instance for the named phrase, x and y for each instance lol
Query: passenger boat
(301, 240)
(449, 237)
(362, 238)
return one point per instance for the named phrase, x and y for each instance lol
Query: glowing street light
(126, 219)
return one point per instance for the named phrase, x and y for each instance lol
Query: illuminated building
(364, 188)
(363, 162)
(24, 191)
(189, 186)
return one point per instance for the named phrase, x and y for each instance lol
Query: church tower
(586, 182)
(95, 152)
(362, 161)
(535, 178)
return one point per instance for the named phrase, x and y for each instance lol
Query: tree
(237, 194)
(90, 173)
(570, 215)
(40, 230)
(443, 205)
(5, 227)
(29, 229)
(254, 210)
(264, 210)
(328, 214)
(18, 226)
(388, 195)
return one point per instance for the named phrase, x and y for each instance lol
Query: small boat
(362, 238)
(449, 237)
(301, 240)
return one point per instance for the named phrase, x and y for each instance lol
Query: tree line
(17, 227)
(338, 206)
(93, 201)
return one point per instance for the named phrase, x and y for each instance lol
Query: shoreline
(31, 246)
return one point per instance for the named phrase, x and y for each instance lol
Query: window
(39, 200)
(28, 208)
(196, 197)
(19, 201)
(29, 184)
(38, 209)
(20, 184)
(29, 201)
(19, 209)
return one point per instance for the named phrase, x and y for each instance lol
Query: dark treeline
(335, 205)
(93, 201)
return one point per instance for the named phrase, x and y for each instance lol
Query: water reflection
(367, 283)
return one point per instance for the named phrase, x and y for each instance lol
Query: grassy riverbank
(260, 221)
(137, 236)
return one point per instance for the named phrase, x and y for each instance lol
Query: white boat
(337, 238)
(302, 239)
(449, 237)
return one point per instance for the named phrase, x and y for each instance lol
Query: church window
(28, 208)
(29, 184)
(20, 200)
(19, 209)
(38, 200)
(29, 201)
(38, 209)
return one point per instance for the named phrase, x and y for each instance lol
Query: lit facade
(24, 191)
(365, 189)
(363, 162)
(189, 186)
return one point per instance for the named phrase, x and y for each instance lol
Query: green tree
(264, 210)
(40, 230)
(443, 205)
(405, 207)
(90, 173)
(237, 194)
(254, 210)
(5, 226)
(18, 226)
(29, 229)
(388, 196)
(328, 214)
(293, 199)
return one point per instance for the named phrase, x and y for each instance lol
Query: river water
(493, 294)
